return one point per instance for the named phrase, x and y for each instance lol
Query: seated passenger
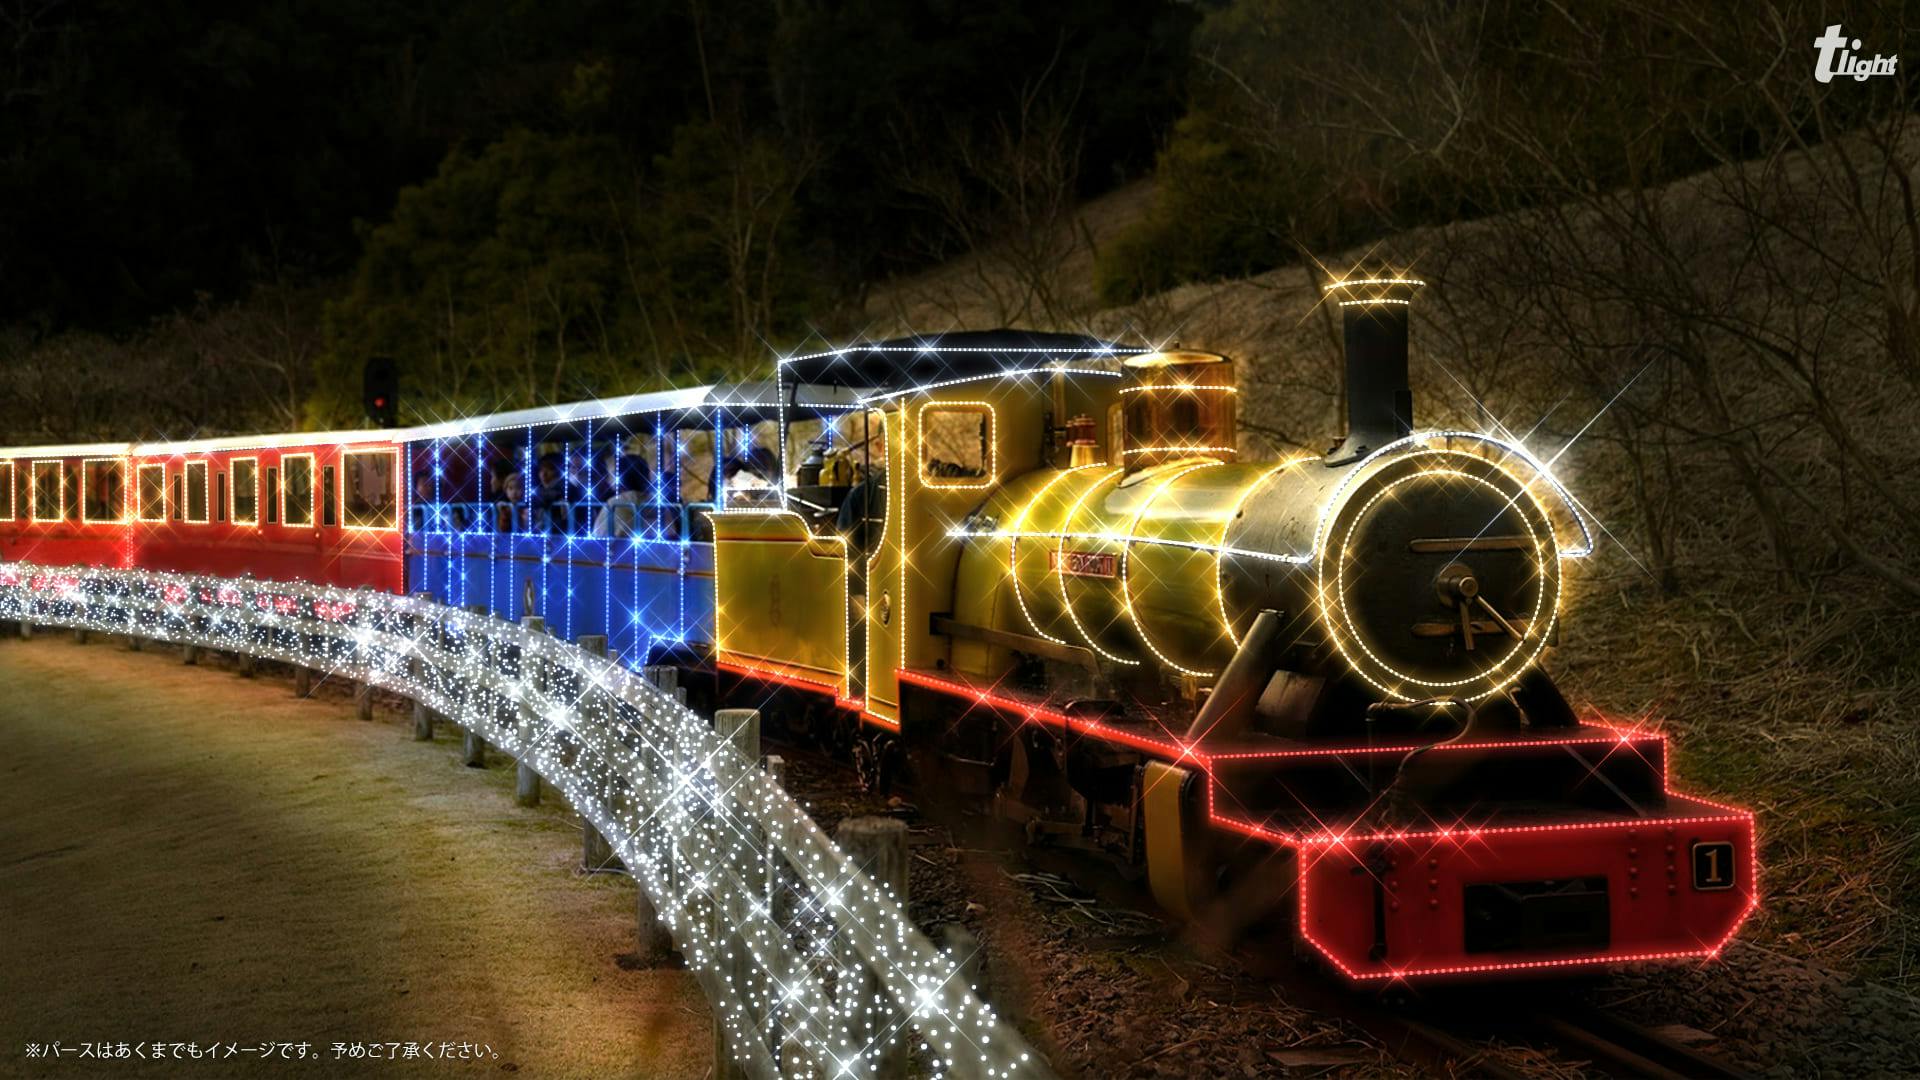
(632, 483)
(497, 473)
(752, 471)
(549, 481)
(550, 493)
(510, 508)
(864, 510)
(424, 513)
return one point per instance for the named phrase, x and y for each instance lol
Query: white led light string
(773, 919)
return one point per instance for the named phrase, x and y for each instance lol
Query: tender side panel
(782, 597)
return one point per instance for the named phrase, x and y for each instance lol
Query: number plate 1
(1712, 866)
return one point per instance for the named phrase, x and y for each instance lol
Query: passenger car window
(49, 491)
(6, 490)
(370, 482)
(273, 494)
(104, 494)
(296, 490)
(196, 492)
(246, 491)
(152, 504)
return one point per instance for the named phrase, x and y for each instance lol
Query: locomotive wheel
(878, 761)
(864, 766)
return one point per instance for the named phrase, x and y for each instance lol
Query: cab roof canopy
(902, 363)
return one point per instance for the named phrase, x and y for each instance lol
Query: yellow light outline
(1180, 450)
(33, 491)
(233, 492)
(7, 509)
(85, 476)
(1060, 570)
(1351, 282)
(312, 490)
(1013, 547)
(139, 503)
(206, 490)
(340, 481)
(866, 689)
(993, 445)
(1126, 586)
(907, 453)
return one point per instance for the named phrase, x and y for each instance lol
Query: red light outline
(1301, 843)
(767, 674)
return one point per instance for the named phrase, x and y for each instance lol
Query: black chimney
(1379, 402)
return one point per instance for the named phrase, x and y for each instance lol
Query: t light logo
(1836, 59)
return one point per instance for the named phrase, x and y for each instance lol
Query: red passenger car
(323, 508)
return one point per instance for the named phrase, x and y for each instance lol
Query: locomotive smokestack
(1379, 403)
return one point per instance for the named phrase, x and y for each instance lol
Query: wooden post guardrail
(837, 982)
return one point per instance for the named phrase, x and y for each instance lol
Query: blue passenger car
(594, 515)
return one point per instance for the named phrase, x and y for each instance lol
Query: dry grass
(185, 855)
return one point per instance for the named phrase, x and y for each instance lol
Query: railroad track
(1622, 1048)
(1469, 1043)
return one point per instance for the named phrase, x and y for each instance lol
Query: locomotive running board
(1007, 639)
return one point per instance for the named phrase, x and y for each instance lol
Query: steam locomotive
(1029, 571)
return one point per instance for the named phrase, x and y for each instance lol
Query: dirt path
(188, 856)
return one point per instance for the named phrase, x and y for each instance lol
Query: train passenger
(510, 508)
(549, 481)
(864, 510)
(426, 509)
(497, 472)
(751, 471)
(550, 493)
(632, 481)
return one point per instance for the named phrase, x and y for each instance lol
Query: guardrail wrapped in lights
(811, 966)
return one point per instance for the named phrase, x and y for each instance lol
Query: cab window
(370, 486)
(956, 445)
(296, 491)
(152, 505)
